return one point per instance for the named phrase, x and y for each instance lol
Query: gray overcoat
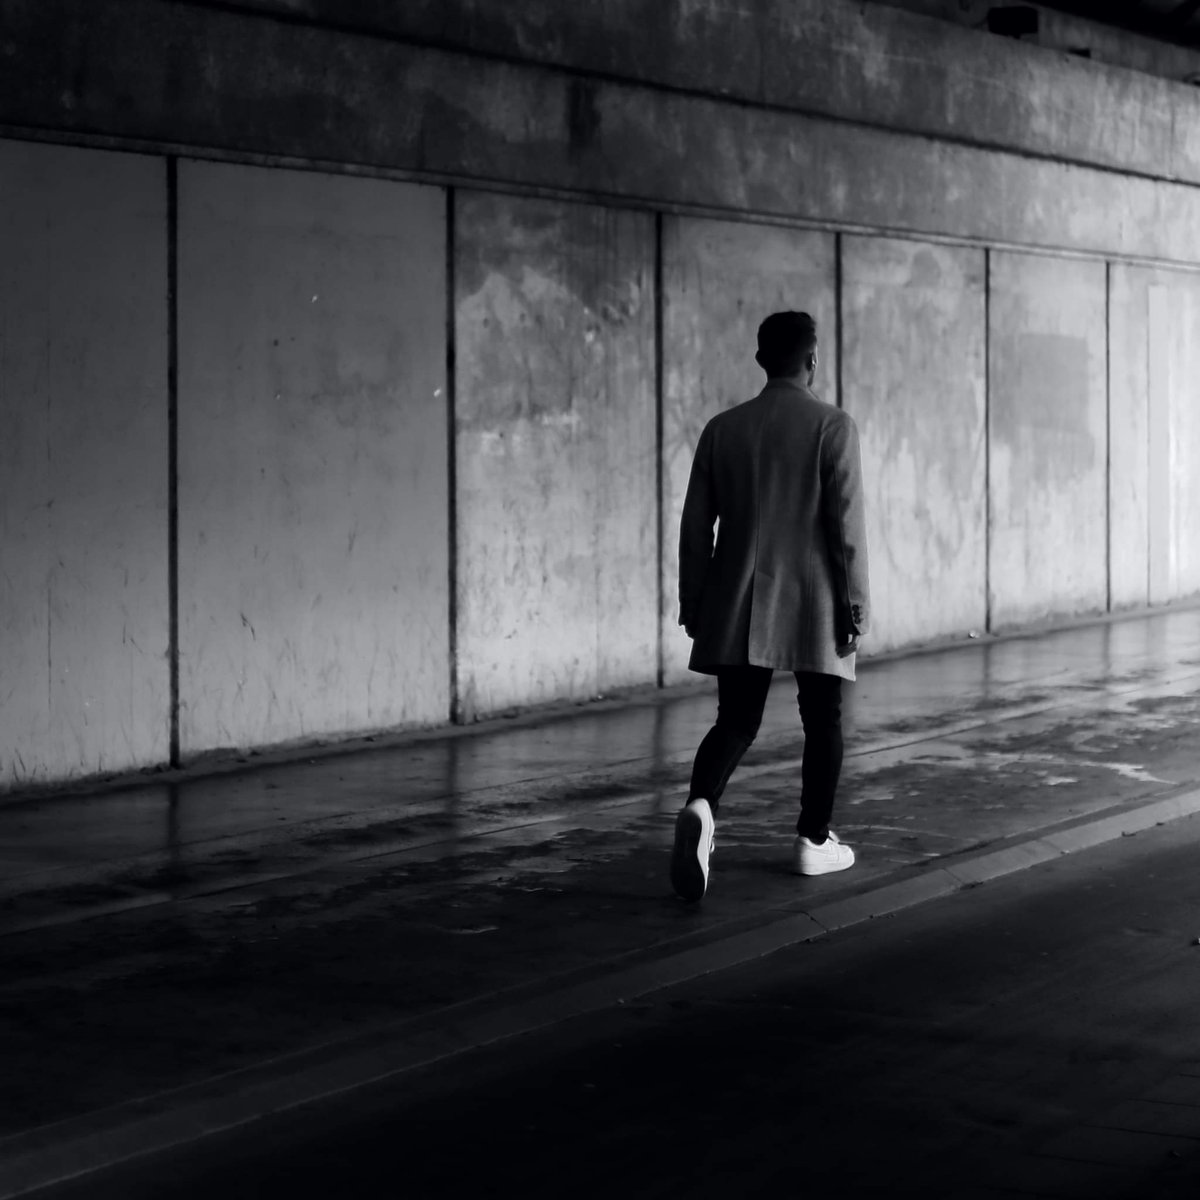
(788, 577)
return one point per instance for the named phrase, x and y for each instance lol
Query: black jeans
(741, 697)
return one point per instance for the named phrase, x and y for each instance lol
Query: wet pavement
(1035, 1037)
(158, 936)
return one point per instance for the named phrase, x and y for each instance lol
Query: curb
(56, 1153)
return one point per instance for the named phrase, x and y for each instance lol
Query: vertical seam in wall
(173, 451)
(987, 439)
(838, 314)
(660, 513)
(451, 464)
(1108, 436)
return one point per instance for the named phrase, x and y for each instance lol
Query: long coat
(787, 581)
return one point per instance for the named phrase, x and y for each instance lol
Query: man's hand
(848, 647)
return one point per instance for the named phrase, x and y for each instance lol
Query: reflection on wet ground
(160, 934)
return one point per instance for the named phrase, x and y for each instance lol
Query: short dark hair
(785, 340)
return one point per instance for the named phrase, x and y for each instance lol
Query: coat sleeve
(844, 516)
(696, 531)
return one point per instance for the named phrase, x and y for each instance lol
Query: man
(784, 589)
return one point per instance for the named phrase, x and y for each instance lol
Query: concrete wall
(83, 466)
(861, 62)
(1049, 442)
(354, 553)
(719, 280)
(556, 445)
(914, 377)
(898, 122)
(313, 497)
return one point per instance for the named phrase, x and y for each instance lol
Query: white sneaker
(808, 858)
(694, 840)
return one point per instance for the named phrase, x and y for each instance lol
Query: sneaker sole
(824, 868)
(687, 875)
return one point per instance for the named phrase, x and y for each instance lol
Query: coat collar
(786, 385)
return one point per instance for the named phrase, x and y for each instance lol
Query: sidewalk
(182, 957)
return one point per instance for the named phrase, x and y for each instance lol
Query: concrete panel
(1185, 439)
(720, 279)
(1155, 460)
(1048, 439)
(84, 685)
(557, 587)
(1173, 317)
(862, 62)
(313, 539)
(914, 374)
(186, 75)
(1129, 476)
(1159, 543)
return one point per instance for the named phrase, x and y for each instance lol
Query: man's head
(787, 346)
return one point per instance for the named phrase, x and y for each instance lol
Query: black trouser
(741, 697)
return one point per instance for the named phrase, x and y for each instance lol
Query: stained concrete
(179, 74)
(895, 124)
(83, 468)
(860, 62)
(720, 280)
(1048, 437)
(313, 496)
(914, 370)
(555, 443)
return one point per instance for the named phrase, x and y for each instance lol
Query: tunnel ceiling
(1169, 20)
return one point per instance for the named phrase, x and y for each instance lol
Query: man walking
(784, 589)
